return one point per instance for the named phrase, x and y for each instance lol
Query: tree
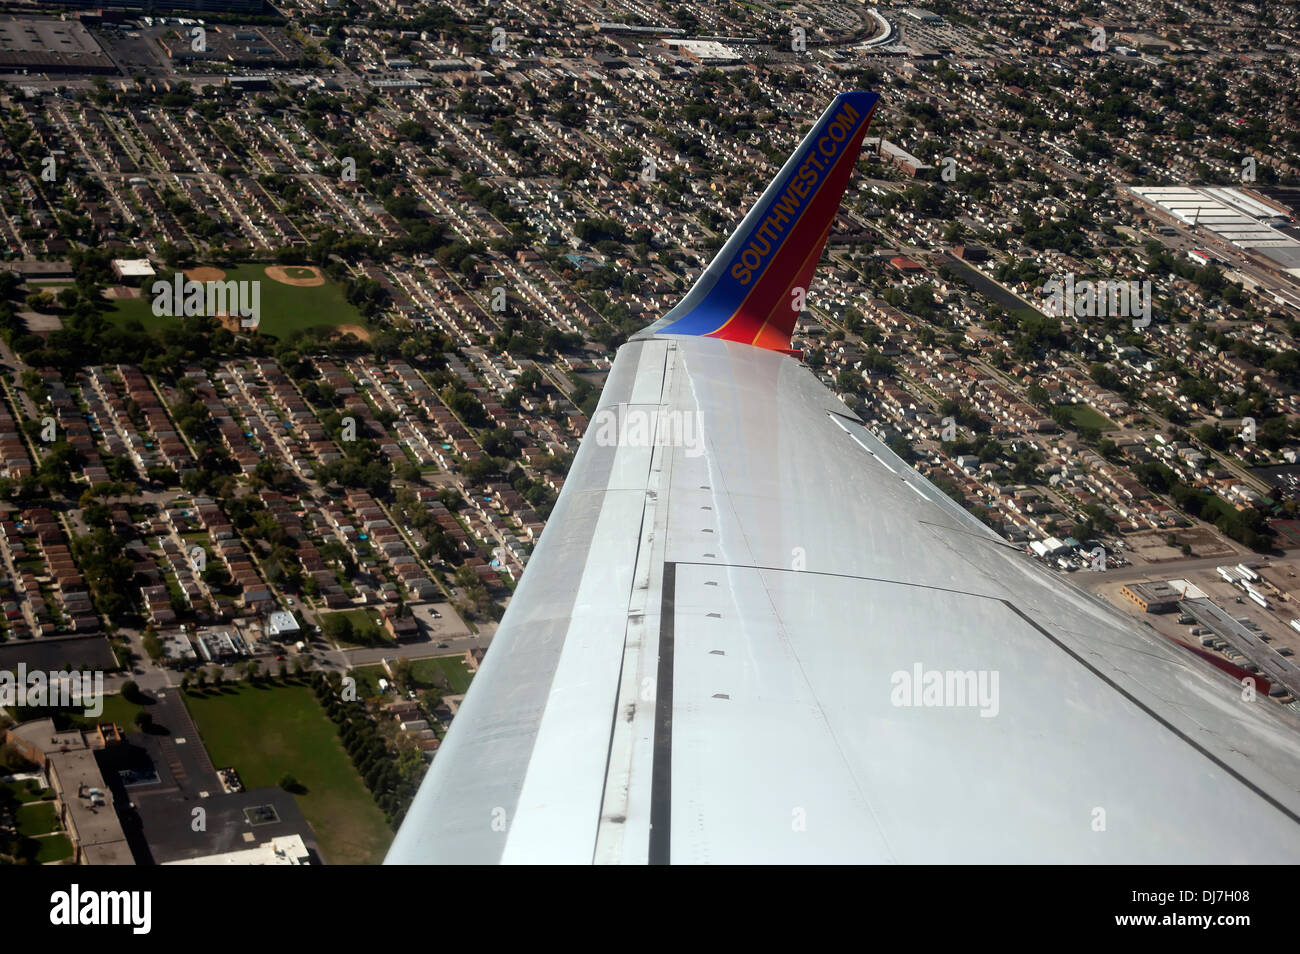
(153, 646)
(131, 692)
(337, 628)
(291, 784)
(402, 673)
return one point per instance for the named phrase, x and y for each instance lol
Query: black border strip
(661, 784)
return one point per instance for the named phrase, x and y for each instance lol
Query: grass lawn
(53, 848)
(452, 667)
(1084, 416)
(116, 709)
(21, 792)
(265, 732)
(284, 308)
(425, 672)
(367, 678)
(365, 631)
(119, 710)
(36, 818)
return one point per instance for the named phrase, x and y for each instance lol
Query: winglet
(747, 292)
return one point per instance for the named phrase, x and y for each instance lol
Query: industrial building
(1152, 596)
(1231, 218)
(706, 52)
(50, 46)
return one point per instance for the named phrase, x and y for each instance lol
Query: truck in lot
(1258, 599)
(1248, 572)
(1227, 574)
(1295, 624)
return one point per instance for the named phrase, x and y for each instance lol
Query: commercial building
(132, 271)
(1152, 596)
(285, 850)
(50, 46)
(282, 625)
(82, 796)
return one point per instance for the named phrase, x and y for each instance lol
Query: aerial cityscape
(306, 308)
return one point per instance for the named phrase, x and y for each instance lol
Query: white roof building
(129, 269)
(282, 623)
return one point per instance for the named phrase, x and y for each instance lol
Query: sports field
(267, 731)
(293, 298)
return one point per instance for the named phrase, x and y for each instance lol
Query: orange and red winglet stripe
(768, 310)
(746, 293)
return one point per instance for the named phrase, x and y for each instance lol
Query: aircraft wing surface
(751, 633)
(701, 664)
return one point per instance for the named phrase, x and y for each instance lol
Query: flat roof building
(1152, 596)
(132, 270)
(82, 796)
(281, 624)
(285, 850)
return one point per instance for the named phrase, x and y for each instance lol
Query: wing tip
(748, 291)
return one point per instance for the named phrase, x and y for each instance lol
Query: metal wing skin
(750, 633)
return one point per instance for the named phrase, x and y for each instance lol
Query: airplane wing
(752, 633)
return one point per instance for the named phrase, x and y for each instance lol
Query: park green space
(284, 308)
(1084, 416)
(268, 731)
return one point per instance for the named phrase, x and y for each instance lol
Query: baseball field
(293, 298)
